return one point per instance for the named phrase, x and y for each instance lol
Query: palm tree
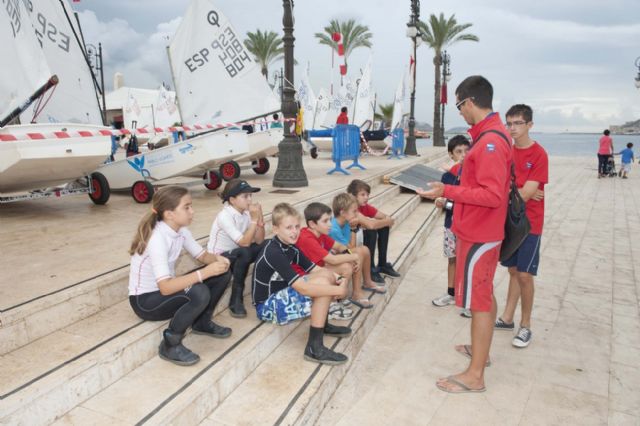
(385, 114)
(438, 34)
(353, 36)
(266, 47)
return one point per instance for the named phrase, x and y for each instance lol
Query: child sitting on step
(287, 286)
(376, 226)
(237, 234)
(344, 227)
(156, 293)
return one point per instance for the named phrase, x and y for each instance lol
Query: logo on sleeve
(529, 164)
(491, 147)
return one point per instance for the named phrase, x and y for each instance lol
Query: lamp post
(637, 79)
(413, 34)
(290, 172)
(446, 76)
(94, 56)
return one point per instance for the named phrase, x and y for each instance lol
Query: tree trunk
(438, 139)
(265, 72)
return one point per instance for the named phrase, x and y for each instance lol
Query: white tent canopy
(148, 108)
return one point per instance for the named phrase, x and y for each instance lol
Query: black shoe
(236, 307)
(212, 329)
(376, 277)
(336, 330)
(387, 269)
(324, 355)
(171, 349)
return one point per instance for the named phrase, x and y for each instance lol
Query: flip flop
(462, 388)
(466, 351)
(377, 289)
(358, 303)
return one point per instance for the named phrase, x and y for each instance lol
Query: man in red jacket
(478, 224)
(343, 117)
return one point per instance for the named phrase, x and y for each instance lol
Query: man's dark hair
(314, 211)
(606, 132)
(275, 116)
(457, 140)
(343, 109)
(521, 110)
(358, 185)
(478, 89)
(629, 145)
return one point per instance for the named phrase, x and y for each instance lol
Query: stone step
(286, 390)
(46, 313)
(55, 373)
(158, 392)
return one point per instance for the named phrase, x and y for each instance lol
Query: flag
(443, 93)
(412, 80)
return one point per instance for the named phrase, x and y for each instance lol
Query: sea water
(572, 144)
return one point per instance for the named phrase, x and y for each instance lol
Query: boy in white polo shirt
(237, 233)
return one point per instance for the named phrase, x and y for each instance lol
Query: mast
(173, 78)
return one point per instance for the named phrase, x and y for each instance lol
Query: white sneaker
(338, 312)
(445, 300)
(523, 338)
(466, 313)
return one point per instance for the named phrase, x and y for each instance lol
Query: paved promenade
(582, 366)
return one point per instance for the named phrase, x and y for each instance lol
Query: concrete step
(47, 312)
(50, 376)
(160, 393)
(286, 390)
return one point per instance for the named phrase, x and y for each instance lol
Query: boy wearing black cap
(237, 233)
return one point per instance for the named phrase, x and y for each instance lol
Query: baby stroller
(610, 168)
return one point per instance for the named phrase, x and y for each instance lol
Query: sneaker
(324, 355)
(501, 325)
(337, 311)
(523, 338)
(445, 300)
(376, 277)
(387, 269)
(465, 313)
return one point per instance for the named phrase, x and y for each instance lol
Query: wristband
(199, 275)
(255, 222)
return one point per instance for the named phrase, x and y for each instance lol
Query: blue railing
(397, 144)
(346, 146)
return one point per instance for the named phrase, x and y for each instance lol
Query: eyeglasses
(510, 124)
(459, 104)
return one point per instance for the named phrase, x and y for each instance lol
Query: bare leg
(512, 296)
(451, 272)
(526, 294)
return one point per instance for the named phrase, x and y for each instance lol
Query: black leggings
(603, 159)
(382, 237)
(184, 308)
(241, 258)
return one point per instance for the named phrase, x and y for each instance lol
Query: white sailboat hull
(31, 164)
(187, 158)
(262, 145)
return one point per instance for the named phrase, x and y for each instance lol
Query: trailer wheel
(100, 191)
(230, 170)
(214, 180)
(261, 166)
(142, 191)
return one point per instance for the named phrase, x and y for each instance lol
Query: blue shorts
(527, 257)
(284, 306)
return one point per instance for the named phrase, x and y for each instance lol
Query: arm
(374, 223)
(173, 285)
(338, 259)
(252, 231)
(528, 190)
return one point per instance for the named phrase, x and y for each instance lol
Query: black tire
(214, 178)
(142, 191)
(100, 190)
(230, 170)
(261, 166)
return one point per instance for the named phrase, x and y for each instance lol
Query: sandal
(377, 289)
(362, 303)
(461, 387)
(465, 350)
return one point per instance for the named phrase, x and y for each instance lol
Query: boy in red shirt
(343, 117)
(532, 173)
(478, 223)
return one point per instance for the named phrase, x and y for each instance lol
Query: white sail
(398, 101)
(343, 98)
(25, 68)
(215, 77)
(166, 112)
(362, 106)
(322, 109)
(307, 99)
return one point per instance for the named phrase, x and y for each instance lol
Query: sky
(571, 60)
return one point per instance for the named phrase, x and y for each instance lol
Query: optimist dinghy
(54, 157)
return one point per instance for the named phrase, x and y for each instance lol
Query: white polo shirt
(159, 258)
(227, 229)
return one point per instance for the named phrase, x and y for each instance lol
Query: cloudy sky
(571, 60)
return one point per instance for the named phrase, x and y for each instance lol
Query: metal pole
(410, 146)
(445, 62)
(290, 172)
(104, 99)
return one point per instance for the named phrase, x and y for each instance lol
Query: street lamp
(637, 79)
(413, 34)
(290, 172)
(94, 57)
(446, 76)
